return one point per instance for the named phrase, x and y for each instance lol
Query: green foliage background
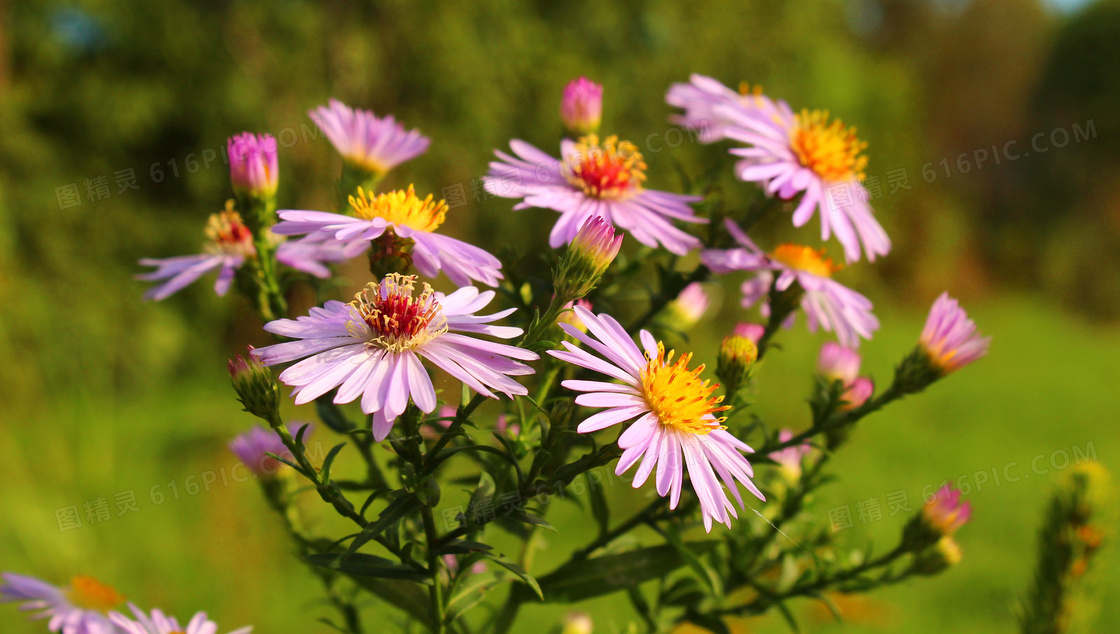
(100, 393)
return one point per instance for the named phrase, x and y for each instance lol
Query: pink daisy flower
(373, 143)
(826, 303)
(230, 244)
(372, 348)
(399, 214)
(950, 338)
(806, 153)
(676, 426)
(593, 179)
(159, 623)
(703, 100)
(81, 608)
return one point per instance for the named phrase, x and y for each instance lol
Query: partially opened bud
(950, 338)
(838, 363)
(736, 360)
(945, 553)
(858, 392)
(255, 386)
(689, 306)
(581, 108)
(586, 259)
(753, 332)
(253, 164)
(941, 517)
(569, 315)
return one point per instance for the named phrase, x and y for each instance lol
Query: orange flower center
(400, 321)
(91, 594)
(401, 208)
(228, 234)
(806, 259)
(828, 148)
(678, 396)
(607, 170)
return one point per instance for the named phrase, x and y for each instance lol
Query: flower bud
(569, 316)
(576, 623)
(838, 363)
(253, 164)
(581, 107)
(253, 447)
(945, 553)
(941, 517)
(949, 338)
(735, 362)
(750, 331)
(689, 306)
(586, 259)
(256, 387)
(789, 459)
(857, 393)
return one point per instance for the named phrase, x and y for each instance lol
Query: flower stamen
(398, 320)
(803, 258)
(91, 594)
(678, 396)
(830, 149)
(609, 170)
(228, 234)
(401, 207)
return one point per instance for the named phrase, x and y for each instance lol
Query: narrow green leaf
(329, 460)
(587, 578)
(706, 573)
(331, 414)
(473, 591)
(403, 595)
(362, 565)
(461, 547)
(528, 518)
(520, 572)
(599, 509)
(397, 510)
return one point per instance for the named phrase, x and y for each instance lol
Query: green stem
(435, 592)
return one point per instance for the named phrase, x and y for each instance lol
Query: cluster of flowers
(373, 348)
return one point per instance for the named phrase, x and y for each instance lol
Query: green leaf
(706, 573)
(403, 595)
(362, 565)
(397, 510)
(520, 572)
(587, 578)
(473, 591)
(528, 518)
(329, 460)
(599, 509)
(684, 592)
(485, 490)
(461, 547)
(291, 464)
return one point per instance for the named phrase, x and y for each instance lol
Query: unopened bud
(254, 173)
(737, 356)
(581, 107)
(255, 386)
(945, 553)
(586, 259)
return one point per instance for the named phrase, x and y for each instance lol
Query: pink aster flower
(593, 178)
(789, 459)
(230, 244)
(581, 107)
(704, 99)
(159, 623)
(950, 338)
(81, 608)
(252, 448)
(372, 143)
(826, 303)
(946, 512)
(676, 426)
(253, 164)
(399, 214)
(806, 153)
(372, 348)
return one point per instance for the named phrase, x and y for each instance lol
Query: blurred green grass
(221, 550)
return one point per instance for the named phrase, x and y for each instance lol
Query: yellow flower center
(678, 396)
(607, 170)
(90, 594)
(398, 320)
(228, 234)
(829, 149)
(400, 208)
(804, 258)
